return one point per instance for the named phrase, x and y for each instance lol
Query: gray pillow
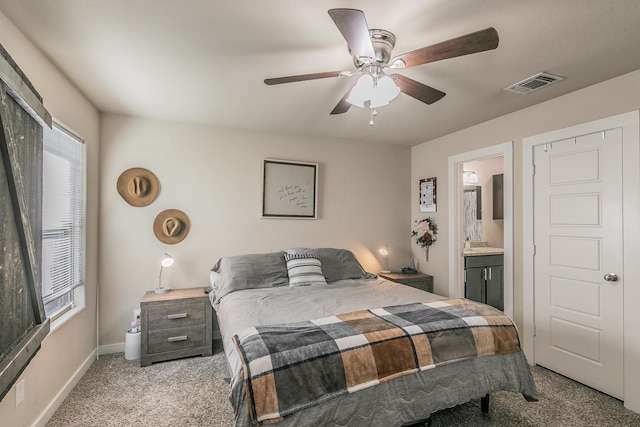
(339, 264)
(235, 273)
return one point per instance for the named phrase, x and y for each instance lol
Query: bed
(256, 295)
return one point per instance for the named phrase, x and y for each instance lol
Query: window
(63, 219)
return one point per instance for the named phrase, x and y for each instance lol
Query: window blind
(63, 217)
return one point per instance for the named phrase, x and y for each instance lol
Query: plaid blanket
(293, 366)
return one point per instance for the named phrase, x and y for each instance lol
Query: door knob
(611, 277)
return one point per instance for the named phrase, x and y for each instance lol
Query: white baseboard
(111, 348)
(46, 415)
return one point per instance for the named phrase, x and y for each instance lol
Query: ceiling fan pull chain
(371, 110)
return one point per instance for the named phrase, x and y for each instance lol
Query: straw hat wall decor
(171, 226)
(138, 186)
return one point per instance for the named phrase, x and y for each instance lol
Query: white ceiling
(204, 61)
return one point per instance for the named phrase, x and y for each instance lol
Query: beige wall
(214, 176)
(606, 99)
(71, 345)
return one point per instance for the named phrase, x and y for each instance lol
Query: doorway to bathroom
(481, 221)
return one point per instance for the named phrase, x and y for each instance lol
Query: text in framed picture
(289, 189)
(428, 195)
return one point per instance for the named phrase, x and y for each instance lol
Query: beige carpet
(192, 392)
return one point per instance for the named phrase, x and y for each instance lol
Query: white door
(578, 251)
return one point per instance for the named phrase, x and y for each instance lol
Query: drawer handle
(176, 339)
(177, 316)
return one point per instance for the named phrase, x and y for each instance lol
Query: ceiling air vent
(532, 83)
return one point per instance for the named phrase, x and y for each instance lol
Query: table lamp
(167, 261)
(385, 253)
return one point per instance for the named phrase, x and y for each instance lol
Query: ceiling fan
(371, 52)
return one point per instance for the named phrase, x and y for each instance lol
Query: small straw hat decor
(171, 226)
(138, 186)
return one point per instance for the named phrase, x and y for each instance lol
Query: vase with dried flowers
(425, 232)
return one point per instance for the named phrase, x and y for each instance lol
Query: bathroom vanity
(484, 275)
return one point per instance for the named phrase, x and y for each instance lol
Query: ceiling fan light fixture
(362, 91)
(378, 102)
(384, 92)
(378, 93)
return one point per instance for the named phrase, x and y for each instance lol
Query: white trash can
(132, 346)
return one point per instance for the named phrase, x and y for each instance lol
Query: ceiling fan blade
(417, 90)
(343, 106)
(353, 26)
(301, 78)
(479, 41)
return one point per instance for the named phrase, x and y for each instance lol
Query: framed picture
(289, 189)
(428, 195)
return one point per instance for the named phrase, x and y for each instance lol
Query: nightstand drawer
(177, 338)
(177, 315)
(424, 285)
(420, 281)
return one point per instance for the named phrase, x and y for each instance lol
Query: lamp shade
(362, 91)
(167, 261)
(384, 92)
(379, 92)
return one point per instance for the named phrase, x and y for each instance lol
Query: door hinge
(535, 250)
(533, 170)
(535, 330)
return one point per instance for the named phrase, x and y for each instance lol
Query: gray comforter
(392, 403)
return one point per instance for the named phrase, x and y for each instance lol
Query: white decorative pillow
(304, 269)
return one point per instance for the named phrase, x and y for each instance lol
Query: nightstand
(418, 280)
(176, 324)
